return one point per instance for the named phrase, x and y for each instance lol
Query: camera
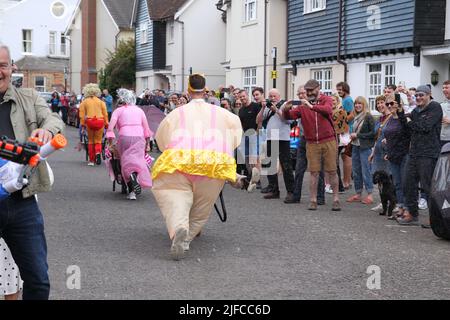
(296, 103)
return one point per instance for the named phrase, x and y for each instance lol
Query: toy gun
(23, 159)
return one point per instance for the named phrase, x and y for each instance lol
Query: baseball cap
(423, 89)
(312, 84)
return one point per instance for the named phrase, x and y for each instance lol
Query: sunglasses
(417, 95)
(391, 104)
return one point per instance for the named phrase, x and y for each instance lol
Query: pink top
(130, 121)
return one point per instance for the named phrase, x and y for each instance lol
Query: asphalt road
(266, 250)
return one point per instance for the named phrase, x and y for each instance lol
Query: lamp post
(274, 72)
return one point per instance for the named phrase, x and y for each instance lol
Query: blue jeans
(417, 170)
(362, 172)
(22, 228)
(398, 175)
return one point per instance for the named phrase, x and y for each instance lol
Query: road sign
(274, 74)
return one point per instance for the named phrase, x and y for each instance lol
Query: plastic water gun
(18, 161)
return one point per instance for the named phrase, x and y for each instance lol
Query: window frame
(326, 85)
(63, 44)
(25, 42)
(385, 76)
(36, 87)
(250, 16)
(308, 6)
(249, 82)
(143, 30)
(54, 44)
(171, 32)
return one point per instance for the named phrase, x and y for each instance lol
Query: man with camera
(316, 116)
(278, 139)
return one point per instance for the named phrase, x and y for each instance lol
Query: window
(310, 6)
(144, 33)
(324, 76)
(249, 10)
(39, 83)
(249, 79)
(26, 41)
(52, 43)
(144, 83)
(63, 45)
(171, 28)
(380, 76)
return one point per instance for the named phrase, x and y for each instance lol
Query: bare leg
(334, 181)
(347, 161)
(14, 296)
(313, 186)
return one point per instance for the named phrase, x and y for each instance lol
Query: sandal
(354, 198)
(367, 200)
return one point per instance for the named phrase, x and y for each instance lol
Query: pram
(114, 167)
(115, 172)
(85, 141)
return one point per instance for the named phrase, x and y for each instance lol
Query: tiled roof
(121, 11)
(163, 9)
(32, 63)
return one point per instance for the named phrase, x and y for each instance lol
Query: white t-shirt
(445, 131)
(277, 128)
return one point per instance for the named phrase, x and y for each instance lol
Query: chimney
(88, 42)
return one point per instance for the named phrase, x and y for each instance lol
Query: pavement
(266, 249)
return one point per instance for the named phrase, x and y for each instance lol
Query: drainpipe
(182, 52)
(224, 12)
(339, 60)
(286, 84)
(265, 43)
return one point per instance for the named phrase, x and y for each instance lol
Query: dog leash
(222, 217)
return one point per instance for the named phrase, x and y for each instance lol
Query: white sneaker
(423, 205)
(251, 187)
(378, 207)
(396, 209)
(185, 245)
(256, 175)
(91, 164)
(177, 248)
(328, 189)
(131, 196)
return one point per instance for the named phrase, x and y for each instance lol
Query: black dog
(387, 191)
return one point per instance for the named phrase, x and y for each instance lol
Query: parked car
(47, 97)
(439, 203)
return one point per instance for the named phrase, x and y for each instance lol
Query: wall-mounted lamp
(434, 78)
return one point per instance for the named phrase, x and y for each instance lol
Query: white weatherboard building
(35, 27)
(174, 37)
(245, 39)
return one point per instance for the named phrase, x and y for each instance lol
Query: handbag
(348, 150)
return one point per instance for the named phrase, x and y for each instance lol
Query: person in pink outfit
(132, 143)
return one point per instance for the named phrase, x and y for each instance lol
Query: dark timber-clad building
(370, 43)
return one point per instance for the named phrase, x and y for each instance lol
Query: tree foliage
(119, 71)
